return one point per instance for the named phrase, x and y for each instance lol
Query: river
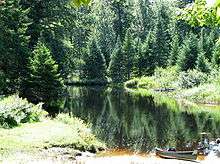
(139, 123)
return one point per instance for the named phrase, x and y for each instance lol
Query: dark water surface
(140, 123)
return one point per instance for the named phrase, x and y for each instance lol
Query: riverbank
(193, 86)
(60, 139)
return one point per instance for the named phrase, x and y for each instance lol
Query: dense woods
(47, 43)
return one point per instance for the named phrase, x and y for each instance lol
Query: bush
(166, 77)
(147, 83)
(192, 78)
(132, 83)
(15, 110)
(2, 82)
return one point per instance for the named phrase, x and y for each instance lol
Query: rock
(78, 154)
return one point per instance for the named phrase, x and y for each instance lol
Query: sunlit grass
(35, 136)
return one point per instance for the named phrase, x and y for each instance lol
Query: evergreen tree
(146, 59)
(188, 53)
(105, 31)
(117, 66)
(202, 63)
(144, 18)
(128, 50)
(123, 17)
(13, 43)
(44, 83)
(162, 34)
(95, 65)
(209, 43)
(216, 55)
(174, 50)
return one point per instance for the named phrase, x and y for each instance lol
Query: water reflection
(138, 122)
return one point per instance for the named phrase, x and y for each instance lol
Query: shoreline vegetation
(42, 138)
(191, 86)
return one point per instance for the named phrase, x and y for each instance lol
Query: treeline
(43, 42)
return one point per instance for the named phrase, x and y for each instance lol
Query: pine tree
(216, 55)
(146, 59)
(13, 43)
(202, 63)
(174, 50)
(117, 66)
(105, 31)
(128, 50)
(188, 53)
(123, 17)
(162, 34)
(144, 18)
(95, 65)
(44, 82)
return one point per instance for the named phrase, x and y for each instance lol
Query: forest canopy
(107, 41)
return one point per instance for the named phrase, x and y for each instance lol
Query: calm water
(140, 123)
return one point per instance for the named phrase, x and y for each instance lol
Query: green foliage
(143, 82)
(80, 2)
(117, 66)
(202, 63)
(192, 78)
(128, 49)
(166, 78)
(188, 53)
(200, 14)
(44, 82)
(13, 43)
(146, 60)
(95, 64)
(174, 52)
(105, 31)
(123, 17)
(2, 82)
(216, 55)
(162, 34)
(144, 19)
(15, 110)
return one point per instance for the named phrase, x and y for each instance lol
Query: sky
(210, 2)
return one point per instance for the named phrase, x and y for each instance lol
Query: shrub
(166, 77)
(2, 82)
(133, 83)
(147, 83)
(192, 78)
(15, 110)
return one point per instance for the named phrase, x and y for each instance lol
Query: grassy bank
(27, 134)
(193, 86)
(33, 138)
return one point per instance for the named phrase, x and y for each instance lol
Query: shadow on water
(139, 123)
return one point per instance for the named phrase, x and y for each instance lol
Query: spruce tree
(105, 31)
(146, 59)
(14, 51)
(44, 83)
(128, 50)
(162, 34)
(216, 55)
(202, 63)
(122, 10)
(188, 53)
(117, 66)
(144, 18)
(174, 52)
(95, 65)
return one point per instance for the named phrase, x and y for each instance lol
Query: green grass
(31, 137)
(202, 94)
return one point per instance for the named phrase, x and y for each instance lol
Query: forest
(47, 44)
(123, 66)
